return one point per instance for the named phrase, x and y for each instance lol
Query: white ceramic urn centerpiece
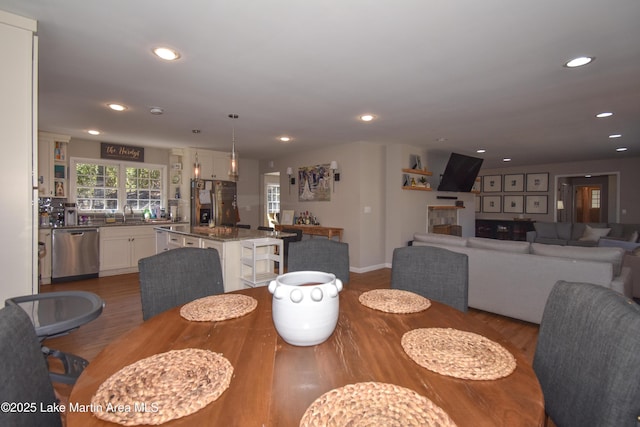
(305, 306)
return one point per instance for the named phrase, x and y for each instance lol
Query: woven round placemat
(458, 354)
(218, 307)
(374, 404)
(394, 301)
(162, 387)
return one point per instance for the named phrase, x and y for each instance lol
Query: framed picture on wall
(287, 217)
(513, 204)
(478, 203)
(491, 204)
(537, 204)
(537, 182)
(492, 183)
(514, 182)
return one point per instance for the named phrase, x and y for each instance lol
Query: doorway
(588, 203)
(271, 197)
(588, 198)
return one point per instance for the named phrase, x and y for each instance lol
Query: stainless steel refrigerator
(213, 199)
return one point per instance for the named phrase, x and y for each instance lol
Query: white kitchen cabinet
(162, 241)
(121, 247)
(213, 164)
(53, 169)
(44, 236)
(190, 242)
(228, 251)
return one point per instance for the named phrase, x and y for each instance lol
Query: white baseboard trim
(369, 268)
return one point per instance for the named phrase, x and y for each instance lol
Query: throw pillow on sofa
(594, 234)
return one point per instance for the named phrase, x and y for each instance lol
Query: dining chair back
(587, 358)
(319, 254)
(288, 240)
(24, 377)
(178, 276)
(435, 273)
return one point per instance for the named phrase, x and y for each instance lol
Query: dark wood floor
(123, 312)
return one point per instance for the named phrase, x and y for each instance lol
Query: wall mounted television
(460, 174)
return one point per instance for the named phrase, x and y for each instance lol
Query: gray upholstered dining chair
(24, 377)
(286, 241)
(435, 273)
(178, 276)
(319, 254)
(587, 357)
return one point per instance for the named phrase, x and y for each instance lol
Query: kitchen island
(240, 257)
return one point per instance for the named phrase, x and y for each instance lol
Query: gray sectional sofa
(581, 234)
(514, 279)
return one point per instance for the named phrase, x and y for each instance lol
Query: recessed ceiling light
(506, 159)
(579, 62)
(441, 139)
(366, 117)
(156, 111)
(621, 149)
(481, 150)
(604, 114)
(615, 135)
(285, 139)
(117, 107)
(93, 132)
(166, 53)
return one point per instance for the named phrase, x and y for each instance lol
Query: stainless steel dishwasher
(75, 254)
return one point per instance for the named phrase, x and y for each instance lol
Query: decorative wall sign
(491, 204)
(536, 204)
(537, 182)
(513, 204)
(314, 183)
(121, 152)
(492, 184)
(514, 182)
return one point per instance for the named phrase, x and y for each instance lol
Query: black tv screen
(460, 173)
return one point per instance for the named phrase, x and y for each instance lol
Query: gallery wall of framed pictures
(529, 201)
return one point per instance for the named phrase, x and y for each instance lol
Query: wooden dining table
(274, 382)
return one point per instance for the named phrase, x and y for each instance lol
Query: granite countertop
(224, 234)
(120, 223)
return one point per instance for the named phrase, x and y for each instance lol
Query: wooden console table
(315, 230)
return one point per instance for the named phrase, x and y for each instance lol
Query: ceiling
(446, 75)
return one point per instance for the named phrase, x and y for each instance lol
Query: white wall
(18, 259)
(361, 168)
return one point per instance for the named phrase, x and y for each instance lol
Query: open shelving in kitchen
(419, 172)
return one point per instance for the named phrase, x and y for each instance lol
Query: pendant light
(196, 168)
(233, 170)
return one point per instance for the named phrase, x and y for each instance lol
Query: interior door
(588, 203)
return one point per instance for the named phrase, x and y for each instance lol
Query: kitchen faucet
(124, 212)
